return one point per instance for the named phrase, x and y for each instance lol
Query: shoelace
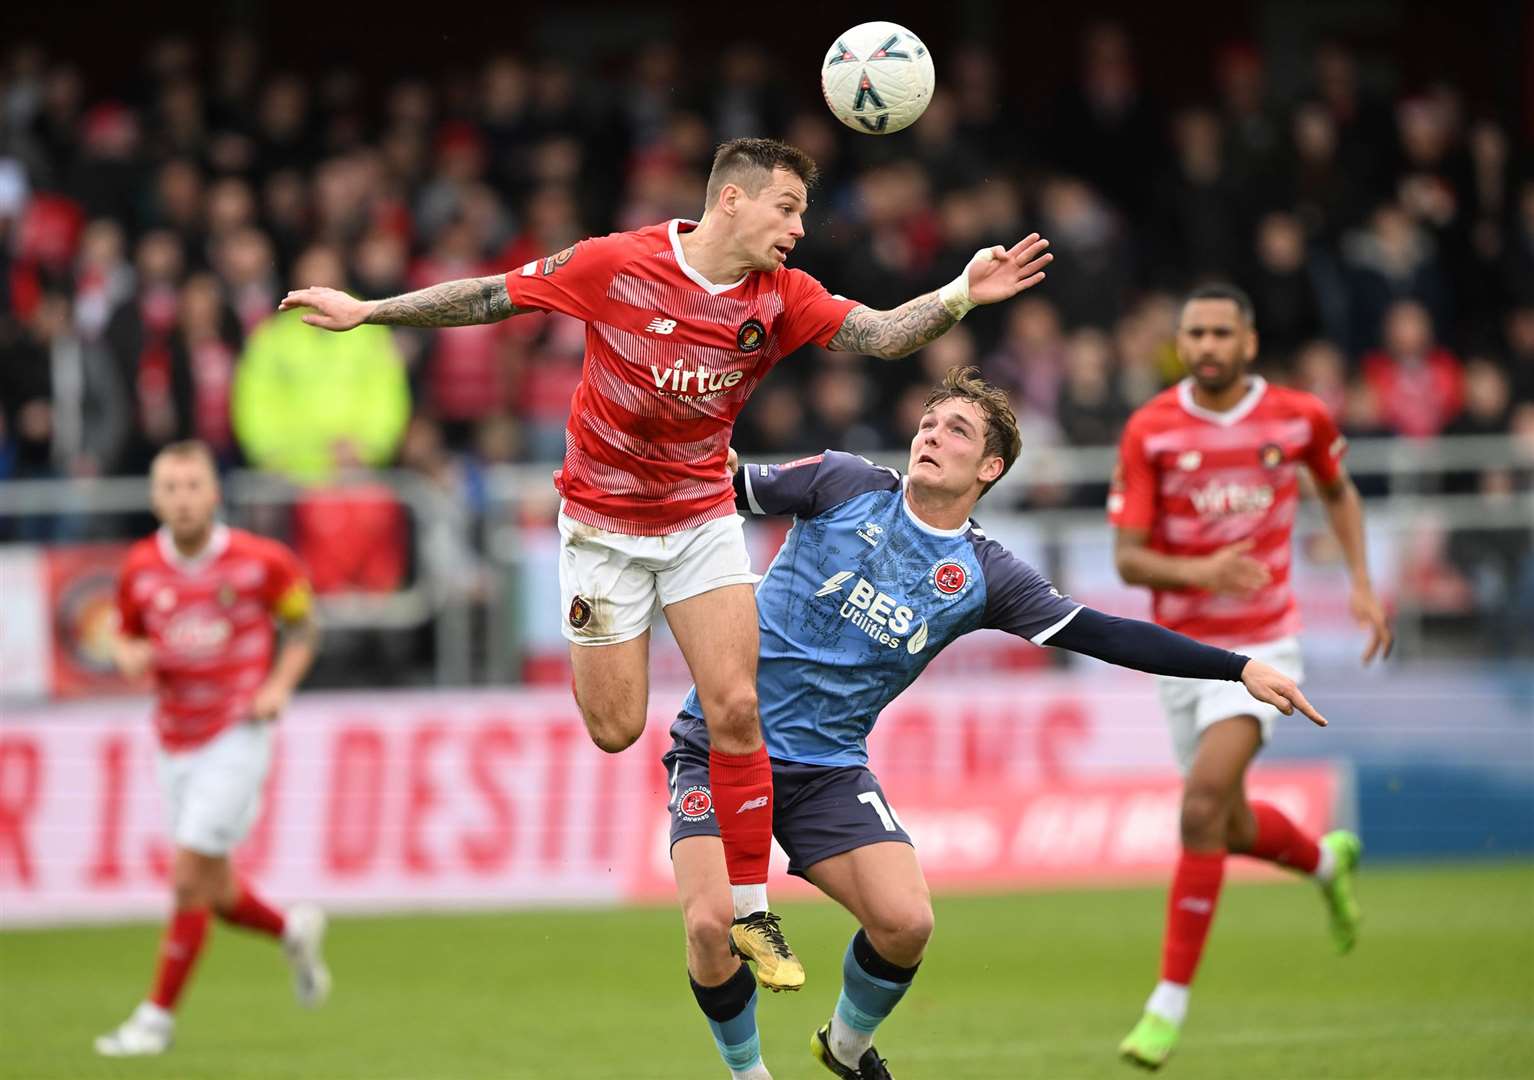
(767, 923)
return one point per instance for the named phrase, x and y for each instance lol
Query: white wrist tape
(955, 295)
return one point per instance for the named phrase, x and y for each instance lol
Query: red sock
(742, 790)
(178, 952)
(1189, 911)
(1279, 840)
(253, 913)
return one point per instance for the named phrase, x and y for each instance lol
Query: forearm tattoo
(453, 303)
(897, 333)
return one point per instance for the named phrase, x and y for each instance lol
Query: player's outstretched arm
(465, 302)
(993, 275)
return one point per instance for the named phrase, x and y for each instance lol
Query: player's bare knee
(734, 726)
(1205, 817)
(901, 934)
(612, 731)
(708, 942)
(193, 888)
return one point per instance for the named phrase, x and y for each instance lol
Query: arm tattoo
(453, 303)
(897, 333)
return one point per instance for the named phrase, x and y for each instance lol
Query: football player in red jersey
(683, 320)
(198, 602)
(1204, 501)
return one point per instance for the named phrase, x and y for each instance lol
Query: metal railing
(457, 552)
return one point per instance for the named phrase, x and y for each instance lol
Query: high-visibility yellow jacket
(299, 390)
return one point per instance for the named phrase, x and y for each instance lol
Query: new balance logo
(1196, 904)
(753, 804)
(661, 326)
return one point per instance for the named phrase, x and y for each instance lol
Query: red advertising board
(422, 800)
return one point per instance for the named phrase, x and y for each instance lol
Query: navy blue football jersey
(862, 596)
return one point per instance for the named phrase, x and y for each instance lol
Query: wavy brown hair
(1002, 439)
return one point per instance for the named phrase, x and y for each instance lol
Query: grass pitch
(1027, 985)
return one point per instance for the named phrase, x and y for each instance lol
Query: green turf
(1031, 985)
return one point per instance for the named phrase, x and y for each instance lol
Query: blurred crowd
(148, 230)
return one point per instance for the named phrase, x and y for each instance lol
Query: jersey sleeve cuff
(1043, 636)
(756, 507)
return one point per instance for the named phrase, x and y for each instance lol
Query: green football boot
(1341, 904)
(1150, 1043)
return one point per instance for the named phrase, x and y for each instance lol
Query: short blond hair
(187, 450)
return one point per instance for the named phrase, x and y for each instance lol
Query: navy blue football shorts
(818, 810)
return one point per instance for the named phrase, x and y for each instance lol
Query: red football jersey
(210, 621)
(1199, 479)
(670, 360)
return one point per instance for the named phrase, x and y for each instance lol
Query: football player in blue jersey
(878, 575)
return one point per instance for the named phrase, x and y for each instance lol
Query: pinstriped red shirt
(1198, 480)
(670, 360)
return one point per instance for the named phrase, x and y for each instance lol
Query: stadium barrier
(487, 800)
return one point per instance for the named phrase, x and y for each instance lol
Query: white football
(877, 78)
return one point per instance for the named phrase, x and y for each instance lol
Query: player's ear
(1251, 344)
(991, 468)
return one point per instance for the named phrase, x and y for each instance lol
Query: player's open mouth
(783, 250)
(929, 460)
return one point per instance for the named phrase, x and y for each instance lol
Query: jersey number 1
(871, 798)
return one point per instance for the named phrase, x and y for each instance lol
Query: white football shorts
(1191, 705)
(612, 586)
(212, 793)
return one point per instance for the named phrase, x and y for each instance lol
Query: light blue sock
(739, 1043)
(730, 1009)
(866, 999)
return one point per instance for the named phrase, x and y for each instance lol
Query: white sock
(1169, 1001)
(152, 1015)
(846, 1044)
(749, 899)
(756, 1072)
(1327, 867)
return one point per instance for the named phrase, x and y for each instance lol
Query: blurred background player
(198, 601)
(683, 320)
(879, 574)
(1204, 501)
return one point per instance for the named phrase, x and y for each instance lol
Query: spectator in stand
(1327, 197)
(1419, 384)
(301, 394)
(205, 344)
(1392, 259)
(103, 278)
(1092, 274)
(1090, 410)
(839, 396)
(1029, 364)
(1320, 368)
(244, 261)
(1106, 121)
(139, 337)
(1283, 288)
(1198, 218)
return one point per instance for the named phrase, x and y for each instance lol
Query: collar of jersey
(218, 543)
(1230, 416)
(681, 260)
(930, 530)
